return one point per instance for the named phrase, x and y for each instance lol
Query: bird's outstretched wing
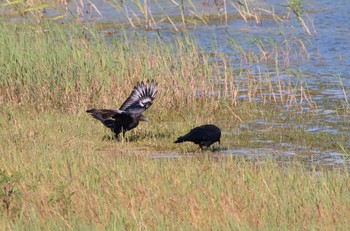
(140, 98)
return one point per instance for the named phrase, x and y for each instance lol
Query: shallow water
(328, 46)
(307, 157)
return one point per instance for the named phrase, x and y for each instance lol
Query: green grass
(65, 176)
(57, 172)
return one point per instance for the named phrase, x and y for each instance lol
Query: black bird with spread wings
(204, 135)
(130, 113)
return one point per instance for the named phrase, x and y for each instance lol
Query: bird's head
(139, 117)
(143, 118)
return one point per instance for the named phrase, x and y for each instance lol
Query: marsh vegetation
(277, 169)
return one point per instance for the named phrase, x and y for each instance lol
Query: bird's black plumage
(204, 135)
(130, 113)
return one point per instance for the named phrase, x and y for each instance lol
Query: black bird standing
(130, 113)
(204, 135)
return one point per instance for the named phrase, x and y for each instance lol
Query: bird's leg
(219, 147)
(216, 149)
(124, 138)
(107, 137)
(117, 137)
(202, 147)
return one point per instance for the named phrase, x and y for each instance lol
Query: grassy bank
(64, 178)
(57, 171)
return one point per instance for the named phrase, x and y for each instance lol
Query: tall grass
(70, 68)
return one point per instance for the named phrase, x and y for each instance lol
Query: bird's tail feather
(95, 114)
(104, 113)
